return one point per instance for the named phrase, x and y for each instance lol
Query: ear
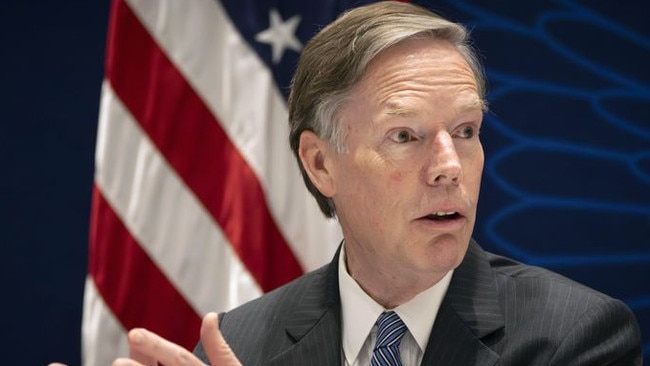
(316, 154)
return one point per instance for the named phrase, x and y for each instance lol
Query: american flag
(198, 204)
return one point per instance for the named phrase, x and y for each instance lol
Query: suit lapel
(315, 326)
(470, 320)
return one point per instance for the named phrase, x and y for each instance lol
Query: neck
(389, 285)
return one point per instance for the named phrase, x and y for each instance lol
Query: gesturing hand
(149, 349)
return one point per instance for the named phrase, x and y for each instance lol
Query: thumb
(216, 348)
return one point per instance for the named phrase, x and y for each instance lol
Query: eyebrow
(477, 104)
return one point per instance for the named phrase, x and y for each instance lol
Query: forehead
(418, 65)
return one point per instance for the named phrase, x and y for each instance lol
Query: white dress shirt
(360, 312)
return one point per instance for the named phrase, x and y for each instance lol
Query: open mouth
(442, 216)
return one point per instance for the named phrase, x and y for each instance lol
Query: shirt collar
(420, 312)
(360, 311)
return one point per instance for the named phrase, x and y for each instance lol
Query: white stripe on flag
(103, 337)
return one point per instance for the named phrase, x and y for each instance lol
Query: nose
(444, 164)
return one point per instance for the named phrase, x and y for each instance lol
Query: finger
(126, 362)
(134, 337)
(150, 348)
(216, 348)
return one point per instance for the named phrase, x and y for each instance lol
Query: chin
(447, 254)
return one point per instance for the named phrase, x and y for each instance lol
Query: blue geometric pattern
(390, 331)
(567, 139)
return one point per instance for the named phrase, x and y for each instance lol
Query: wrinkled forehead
(419, 65)
(463, 55)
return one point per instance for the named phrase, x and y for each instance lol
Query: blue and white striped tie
(389, 335)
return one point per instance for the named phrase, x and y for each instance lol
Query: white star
(280, 35)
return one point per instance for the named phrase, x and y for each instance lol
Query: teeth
(441, 213)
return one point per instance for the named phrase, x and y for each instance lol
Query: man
(385, 110)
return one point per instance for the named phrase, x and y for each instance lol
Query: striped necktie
(389, 335)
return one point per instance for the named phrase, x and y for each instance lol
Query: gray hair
(338, 56)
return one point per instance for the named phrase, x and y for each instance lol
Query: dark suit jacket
(496, 312)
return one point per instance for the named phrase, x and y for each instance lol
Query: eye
(467, 132)
(402, 136)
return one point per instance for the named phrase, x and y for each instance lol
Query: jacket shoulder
(256, 330)
(571, 322)
(280, 300)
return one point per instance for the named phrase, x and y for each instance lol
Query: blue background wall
(566, 185)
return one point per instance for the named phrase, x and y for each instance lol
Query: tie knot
(390, 330)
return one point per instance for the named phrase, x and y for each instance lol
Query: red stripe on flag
(131, 284)
(195, 145)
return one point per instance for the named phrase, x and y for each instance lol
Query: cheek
(479, 163)
(472, 161)
(380, 185)
(396, 178)
(473, 172)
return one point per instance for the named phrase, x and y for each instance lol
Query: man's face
(407, 185)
